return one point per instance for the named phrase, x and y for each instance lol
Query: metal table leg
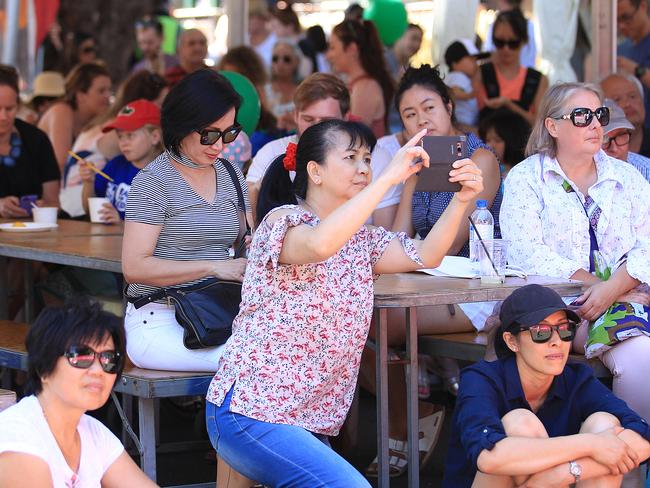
(4, 288)
(147, 425)
(381, 367)
(29, 291)
(412, 397)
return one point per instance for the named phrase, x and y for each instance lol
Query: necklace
(9, 160)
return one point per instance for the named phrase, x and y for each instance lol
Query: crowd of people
(328, 179)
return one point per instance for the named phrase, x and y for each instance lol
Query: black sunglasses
(210, 136)
(582, 117)
(511, 43)
(620, 140)
(541, 333)
(83, 357)
(287, 59)
(89, 49)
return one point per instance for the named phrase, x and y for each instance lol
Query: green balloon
(249, 112)
(390, 19)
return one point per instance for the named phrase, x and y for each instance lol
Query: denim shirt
(488, 391)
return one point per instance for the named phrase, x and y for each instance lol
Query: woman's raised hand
(407, 161)
(469, 175)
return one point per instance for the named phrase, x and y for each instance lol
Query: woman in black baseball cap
(532, 419)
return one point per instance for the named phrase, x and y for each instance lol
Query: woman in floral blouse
(288, 373)
(568, 199)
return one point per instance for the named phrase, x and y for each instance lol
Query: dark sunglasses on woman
(541, 333)
(286, 59)
(582, 117)
(210, 136)
(83, 357)
(511, 43)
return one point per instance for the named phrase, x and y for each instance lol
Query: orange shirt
(511, 89)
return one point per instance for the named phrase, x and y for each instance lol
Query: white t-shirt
(265, 157)
(466, 110)
(23, 429)
(382, 155)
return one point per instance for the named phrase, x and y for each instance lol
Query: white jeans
(154, 340)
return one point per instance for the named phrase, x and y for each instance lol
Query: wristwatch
(575, 470)
(639, 71)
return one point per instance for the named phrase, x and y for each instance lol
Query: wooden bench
(145, 384)
(471, 346)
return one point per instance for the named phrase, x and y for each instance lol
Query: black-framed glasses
(286, 58)
(582, 116)
(511, 43)
(620, 140)
(541, 333)
(210, 136)
(83, 357)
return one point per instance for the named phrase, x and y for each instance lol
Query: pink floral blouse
(296, 344)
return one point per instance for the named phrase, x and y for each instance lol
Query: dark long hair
(364, 35)
(315, 143)
(517, 22)
(513, 129)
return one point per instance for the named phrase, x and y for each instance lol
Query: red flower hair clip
(289, 160)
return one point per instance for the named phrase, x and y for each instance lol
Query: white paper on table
(460, 267)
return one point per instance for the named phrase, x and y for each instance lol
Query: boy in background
(461, 57)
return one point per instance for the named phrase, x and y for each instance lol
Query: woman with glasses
(182, 219)
(505, 83)
(75, 356)
(284, 81)
(572, 211)
(532, 419)
(356, 52)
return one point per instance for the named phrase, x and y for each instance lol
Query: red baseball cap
(135, 115)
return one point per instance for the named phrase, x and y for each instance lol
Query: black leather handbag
(207, 309)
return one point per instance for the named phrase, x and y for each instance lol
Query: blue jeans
(277, 455)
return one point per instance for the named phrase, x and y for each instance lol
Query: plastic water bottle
(484, 223)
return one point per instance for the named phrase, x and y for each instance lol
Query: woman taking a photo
(356, 51)
(505, 83)
(288, 373)
(572, 211)
(182, 218)
(75, 356)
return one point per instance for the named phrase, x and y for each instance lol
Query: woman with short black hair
(75, 356)
(182, 219)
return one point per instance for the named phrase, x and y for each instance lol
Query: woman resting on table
(572, 211)
(75, 354)
(182, 218)
(287, 375)
(530, 419)
(27, 163)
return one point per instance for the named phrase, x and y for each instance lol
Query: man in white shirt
(319, 97)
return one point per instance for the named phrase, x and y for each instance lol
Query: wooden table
(412, 290)
(73, 243)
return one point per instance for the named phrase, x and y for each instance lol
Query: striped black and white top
(192, 229)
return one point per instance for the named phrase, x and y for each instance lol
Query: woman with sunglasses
(504, 82)
(75, 356)
(284, 81)
(530, 419)
(570, 210)
(182, 219)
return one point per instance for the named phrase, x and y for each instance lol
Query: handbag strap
(242, 205)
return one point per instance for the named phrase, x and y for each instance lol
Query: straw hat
(49, 84)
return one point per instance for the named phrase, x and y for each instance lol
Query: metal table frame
(410, 291)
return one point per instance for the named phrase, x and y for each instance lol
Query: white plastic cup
(498, 252)
(94, 206)
(45, 215)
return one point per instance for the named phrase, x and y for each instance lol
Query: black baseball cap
(527, 306)
(457, 50)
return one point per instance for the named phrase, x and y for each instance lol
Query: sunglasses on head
(582, 117)
(541, 333)
(286, 58)
(83, 357)
(511, 43)
(210, 136)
